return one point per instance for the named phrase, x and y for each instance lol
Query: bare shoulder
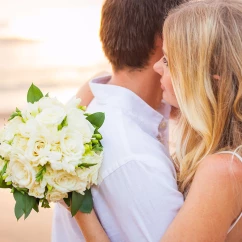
(219, 177)
(221, 168)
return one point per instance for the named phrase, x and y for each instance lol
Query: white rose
(64, 181)
(71, 144)
(48, 102)
(5, 150)
(90, 174)
(64, 164)
(19, 144)
(11, 129)
(73, 103)
(38, 189)
(31, 111)
(77, 121)
(20, 172)
(30, 128)
(55, 196)
(51, 116)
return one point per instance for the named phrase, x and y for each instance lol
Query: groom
(137, 196)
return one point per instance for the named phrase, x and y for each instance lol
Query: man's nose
(158, 67)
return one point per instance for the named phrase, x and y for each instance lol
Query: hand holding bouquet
(50, 152)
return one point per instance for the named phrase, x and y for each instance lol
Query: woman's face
(162, 68)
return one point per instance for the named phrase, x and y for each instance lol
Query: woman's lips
(162, 87)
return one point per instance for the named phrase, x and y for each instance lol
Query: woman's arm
(85, 94)
(91, 227)
(213, 202)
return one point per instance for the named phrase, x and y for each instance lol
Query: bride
(201, 74)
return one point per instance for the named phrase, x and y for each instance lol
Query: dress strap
(233, 153)
(233, 225)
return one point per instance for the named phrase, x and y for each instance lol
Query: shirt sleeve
(140, 200)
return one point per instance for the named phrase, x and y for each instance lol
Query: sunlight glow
(67, 36)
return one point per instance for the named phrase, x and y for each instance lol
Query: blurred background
(54, 44)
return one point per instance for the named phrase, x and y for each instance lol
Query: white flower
(51, 116)
(64, 182)
(90, 174)
(5, 150)
(55, 196)
(20, 172)
(31, 111)
(71, 144)
(19, 144)
(11, 129)
(38, 189)
(48, 102)
(76, 120)
(73, 103)
(38, 151)
(30, 128)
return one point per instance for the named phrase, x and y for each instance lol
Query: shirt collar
(128, 102)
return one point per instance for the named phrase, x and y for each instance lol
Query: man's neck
(143, 83)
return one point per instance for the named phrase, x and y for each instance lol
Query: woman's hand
(90, 226)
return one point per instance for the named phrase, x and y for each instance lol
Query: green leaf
(87, 203)
(67, 201)
(34, 94)
(24, 204)
(19, 206)
(86, 165)
(29, 204)
(76, 202)
(36, 206)
(39, 176)
(45, 203)
(47, 95)
(96, 119)
(19, 212)
(3, 184)
(63, 124)
(17, 113)
(4, 169)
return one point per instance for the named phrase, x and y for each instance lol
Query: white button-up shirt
(137, 196)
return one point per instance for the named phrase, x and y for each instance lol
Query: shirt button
(162, 125)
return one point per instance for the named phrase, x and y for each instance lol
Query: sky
(16, 8)
(35, 18)
(68, 29)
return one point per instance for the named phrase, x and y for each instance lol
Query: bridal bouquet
(49, 152)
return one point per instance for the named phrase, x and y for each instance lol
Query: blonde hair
(204, 45)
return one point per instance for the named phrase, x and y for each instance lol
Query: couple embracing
(185, 68)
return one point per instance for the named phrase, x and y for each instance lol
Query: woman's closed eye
(165, 60)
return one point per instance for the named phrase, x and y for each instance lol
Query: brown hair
(129, 28)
